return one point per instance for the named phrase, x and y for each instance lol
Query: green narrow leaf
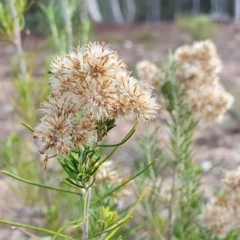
(39, 184)
(124, 183)
(15, 224)
(27, 126)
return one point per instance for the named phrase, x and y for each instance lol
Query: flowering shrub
(89, 86)
(197, 70)
(91, 89)
(190, 93)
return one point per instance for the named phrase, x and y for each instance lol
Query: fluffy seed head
(88, 85)
(97, 78)
(222, 213)
(197, 64)
(198, 67)
(149, 72)
(209, 103)
(218, 218)
(232, 180)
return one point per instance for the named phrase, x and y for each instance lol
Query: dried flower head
(209, 103)
(222, 213)
(149, 72)
(88, 85)
(109, 173)
(197, 64)
(218, 218)
(96, 78)
(198, 67)
(106, 172)
(232, 180)
(52, 133)
(63, 128)
(135, 100)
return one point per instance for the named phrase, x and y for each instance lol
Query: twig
(17, 40)
(176, 148)
(86, 223)
(27, 233)
(68, 24)
(172, 203)
(15, 224)
(39, 184)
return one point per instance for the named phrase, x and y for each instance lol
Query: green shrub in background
(199, 27)
(172, 208)
(66, 24)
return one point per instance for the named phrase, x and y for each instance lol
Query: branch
(17, 40)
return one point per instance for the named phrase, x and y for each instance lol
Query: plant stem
(17, 40)
(176, 149)
(68, 24)
(39, 184)
(86, 223)
(34, 228)
(28, 233)
(172, 203)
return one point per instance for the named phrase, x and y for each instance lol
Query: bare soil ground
(133, 43)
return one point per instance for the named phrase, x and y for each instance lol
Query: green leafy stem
(39, 184)
(35, 228)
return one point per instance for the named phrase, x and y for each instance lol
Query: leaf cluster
(80, 166)
(7, 27)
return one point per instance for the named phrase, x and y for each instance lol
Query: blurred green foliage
(6, 19)
(199, 27)
(64, 29)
